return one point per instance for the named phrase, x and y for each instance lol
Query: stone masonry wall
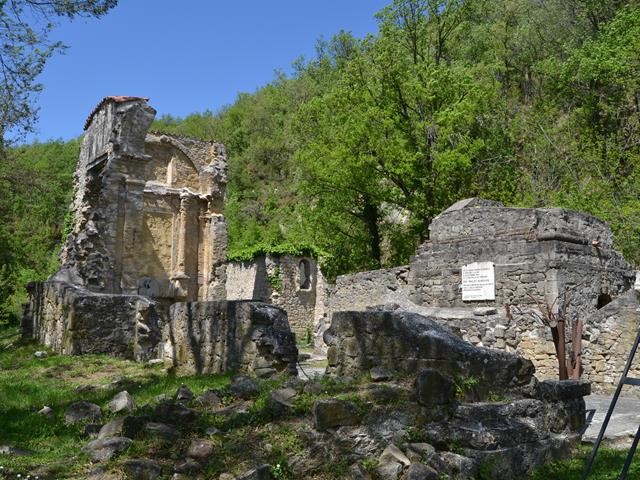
(215, 337)
(541, 256)
(75, 321)
(195, 337)
(364, 289)
(279, 280)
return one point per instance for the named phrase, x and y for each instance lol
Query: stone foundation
(195, 337)
(75, 321)
(407, 342)
(482, 404)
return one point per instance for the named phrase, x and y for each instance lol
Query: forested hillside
(530, 102)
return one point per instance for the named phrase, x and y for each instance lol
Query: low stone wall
(215, 337)
(365, 289)
(408, 342)
(280, 281)
(74, 321)
(607, 338)
(194, 337)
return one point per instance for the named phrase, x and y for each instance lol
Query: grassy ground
(28, 383)
(607, 466)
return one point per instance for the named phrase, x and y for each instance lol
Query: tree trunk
(370, 214)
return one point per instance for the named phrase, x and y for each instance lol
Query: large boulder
(406, 342)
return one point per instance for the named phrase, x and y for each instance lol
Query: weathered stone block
(433, 388)
(412, 340)
(331, 413)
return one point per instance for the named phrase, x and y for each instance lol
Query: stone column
(216, 257)
(179, 278)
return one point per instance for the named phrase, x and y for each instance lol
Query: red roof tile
(114, 99)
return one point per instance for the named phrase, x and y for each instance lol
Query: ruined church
(144, 272)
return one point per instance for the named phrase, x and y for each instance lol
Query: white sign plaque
(478, 281)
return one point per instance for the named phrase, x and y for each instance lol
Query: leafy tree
(399, 137)
(37, 188)
(25, 47)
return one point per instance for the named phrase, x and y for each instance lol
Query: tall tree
(25, 47)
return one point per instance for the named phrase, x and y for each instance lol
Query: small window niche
(603, 299)
(304, 271)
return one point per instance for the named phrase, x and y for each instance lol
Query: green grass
(28, 383)
(607, 466)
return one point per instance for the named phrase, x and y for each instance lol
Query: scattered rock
(244, 387)
(358, 472)
(263, 472)
(331, 413)
(419, 471)
(46, 412)
(175, 413)
(454, 465)
(188, 466)
(208, 400)
(92, 430)
(380, 374)
(122, 401)
(86, 388)
(112, 429)
(385, 393)
(389, 471)
(81, 412)
(419, 452)
(163, 397)
(104, 449)
(394, 454)
(142, 469)
(296, 383)
(281, 400)
(155, 361)
(102, 473)
(14, 451)
(212, 431)
(161, 431)
(40, 354)
(226, 476)
(128, 427)
(184, 394)
(313, 388)
(201, 448)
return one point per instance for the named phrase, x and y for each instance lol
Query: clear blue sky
(187, 56)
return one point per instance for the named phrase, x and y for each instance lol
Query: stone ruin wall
(293, 283)
(504, 417)
(148, 209)
(538, 254)
(143, 271)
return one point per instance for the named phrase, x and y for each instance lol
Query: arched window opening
(603, 299)
(304, 268)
